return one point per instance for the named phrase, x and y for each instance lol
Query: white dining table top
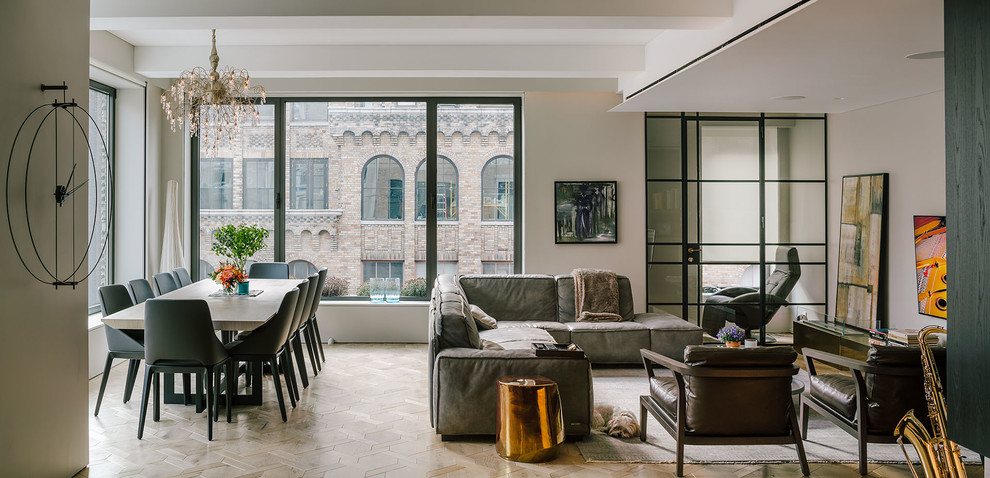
(238, 312)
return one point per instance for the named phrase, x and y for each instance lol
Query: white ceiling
(825, 49)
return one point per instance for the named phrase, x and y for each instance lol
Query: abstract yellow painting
(929, 252)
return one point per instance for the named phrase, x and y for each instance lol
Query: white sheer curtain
(172, 255)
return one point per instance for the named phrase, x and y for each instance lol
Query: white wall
(44, 403)
(572, 136)
(905, 138)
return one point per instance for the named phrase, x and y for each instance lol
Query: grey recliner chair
(742, 304)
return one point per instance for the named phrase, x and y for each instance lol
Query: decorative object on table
(392, 287)
(244, 287)
(543, 349)
(929, 254)
(229, 277)
(614, 421)
(585, 212)
(862, 238)
(238, 242)
(731, 335)
(939, 455)
(376, 290)
(750, 344)
(212, 104)
(530, 425)
(596, 296)
(61, 260)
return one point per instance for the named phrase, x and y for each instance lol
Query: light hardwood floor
(365, 415)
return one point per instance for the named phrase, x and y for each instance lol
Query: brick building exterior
(351, 188)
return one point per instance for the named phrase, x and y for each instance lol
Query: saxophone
(940, 457)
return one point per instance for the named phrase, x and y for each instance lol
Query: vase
(734, 345)
(230, 289)
(243, 288)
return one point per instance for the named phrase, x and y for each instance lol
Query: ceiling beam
(185, 14)
(496, 61)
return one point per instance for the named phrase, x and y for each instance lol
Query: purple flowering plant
(731, 333)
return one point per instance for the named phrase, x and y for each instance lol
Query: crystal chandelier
(212, 104)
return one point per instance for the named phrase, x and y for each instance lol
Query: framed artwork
(862, 237)
(585, 212)
(929, 255)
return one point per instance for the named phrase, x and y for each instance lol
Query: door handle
(692, 250)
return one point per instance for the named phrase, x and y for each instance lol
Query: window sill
(94, 321)
(367, 303)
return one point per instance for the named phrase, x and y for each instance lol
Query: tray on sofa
(543, 349)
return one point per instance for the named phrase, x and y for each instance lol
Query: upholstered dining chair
(140, 290)
(268, 270)
(179, 338)
(264, 344)
(724, 396)
(869, 398)
(164, 283)
(296, 334)
(313, 323)
(297, 316)
(306, 326)
(181, 276)
(121, 344)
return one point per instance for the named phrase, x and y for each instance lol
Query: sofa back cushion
(565, 298)
(452, 322)
(530, 297)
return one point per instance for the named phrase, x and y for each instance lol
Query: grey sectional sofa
(530, 308)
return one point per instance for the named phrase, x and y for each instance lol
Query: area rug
(826, 443)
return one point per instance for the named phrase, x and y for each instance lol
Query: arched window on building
(446, 190)
(498, 189)
(301, 269)
(381, 189)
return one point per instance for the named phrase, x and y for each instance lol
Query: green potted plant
(238, 242)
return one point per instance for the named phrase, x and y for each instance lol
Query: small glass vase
(243, 288)
(230, 289)
(376, 288)
(393, 286)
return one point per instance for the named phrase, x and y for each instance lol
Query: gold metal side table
(530, 423)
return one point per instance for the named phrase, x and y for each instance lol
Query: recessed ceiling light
(926, 55)
(788, 98)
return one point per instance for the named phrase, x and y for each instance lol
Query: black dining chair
(179, 338)
(164, 283)
(297, 316)
(306, 328)
(268, 270)
(296, 338)
(181, 276)
(313, 323)
(264, 344)
(121, 344)
(140, 290)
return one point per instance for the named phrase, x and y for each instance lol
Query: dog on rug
(615, 421)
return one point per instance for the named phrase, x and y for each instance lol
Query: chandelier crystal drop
(212, 104)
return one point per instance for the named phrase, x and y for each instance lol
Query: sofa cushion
(610, 342)
(837, 391)
(512, 297)
(453, 324)
(516, 337)
(669, 334)
(484, 321)
(561, 334)
(565, 298)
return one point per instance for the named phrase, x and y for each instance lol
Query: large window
(497, 189)
(101, 107)
(446, 190)
(259, 183)
(381, 189)
(308, 188)
(340, 187)
(216, 183)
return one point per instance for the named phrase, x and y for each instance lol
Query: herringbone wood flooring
(366, 414)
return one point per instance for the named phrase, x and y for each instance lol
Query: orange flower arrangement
(228, 275)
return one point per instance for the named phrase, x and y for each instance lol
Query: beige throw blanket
(596, 296)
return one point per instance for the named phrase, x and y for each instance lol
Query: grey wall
(905, 138)
(44, 400)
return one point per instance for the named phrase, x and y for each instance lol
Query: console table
(854, 344)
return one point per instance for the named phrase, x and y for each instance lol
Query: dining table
(230, 314)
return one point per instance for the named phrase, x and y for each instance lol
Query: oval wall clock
(46, 188)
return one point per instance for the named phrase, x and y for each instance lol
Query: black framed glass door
(735, 217)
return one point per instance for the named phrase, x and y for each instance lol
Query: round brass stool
(530, 424)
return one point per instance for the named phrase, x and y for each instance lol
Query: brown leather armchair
(870, 398)
(723, 396)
